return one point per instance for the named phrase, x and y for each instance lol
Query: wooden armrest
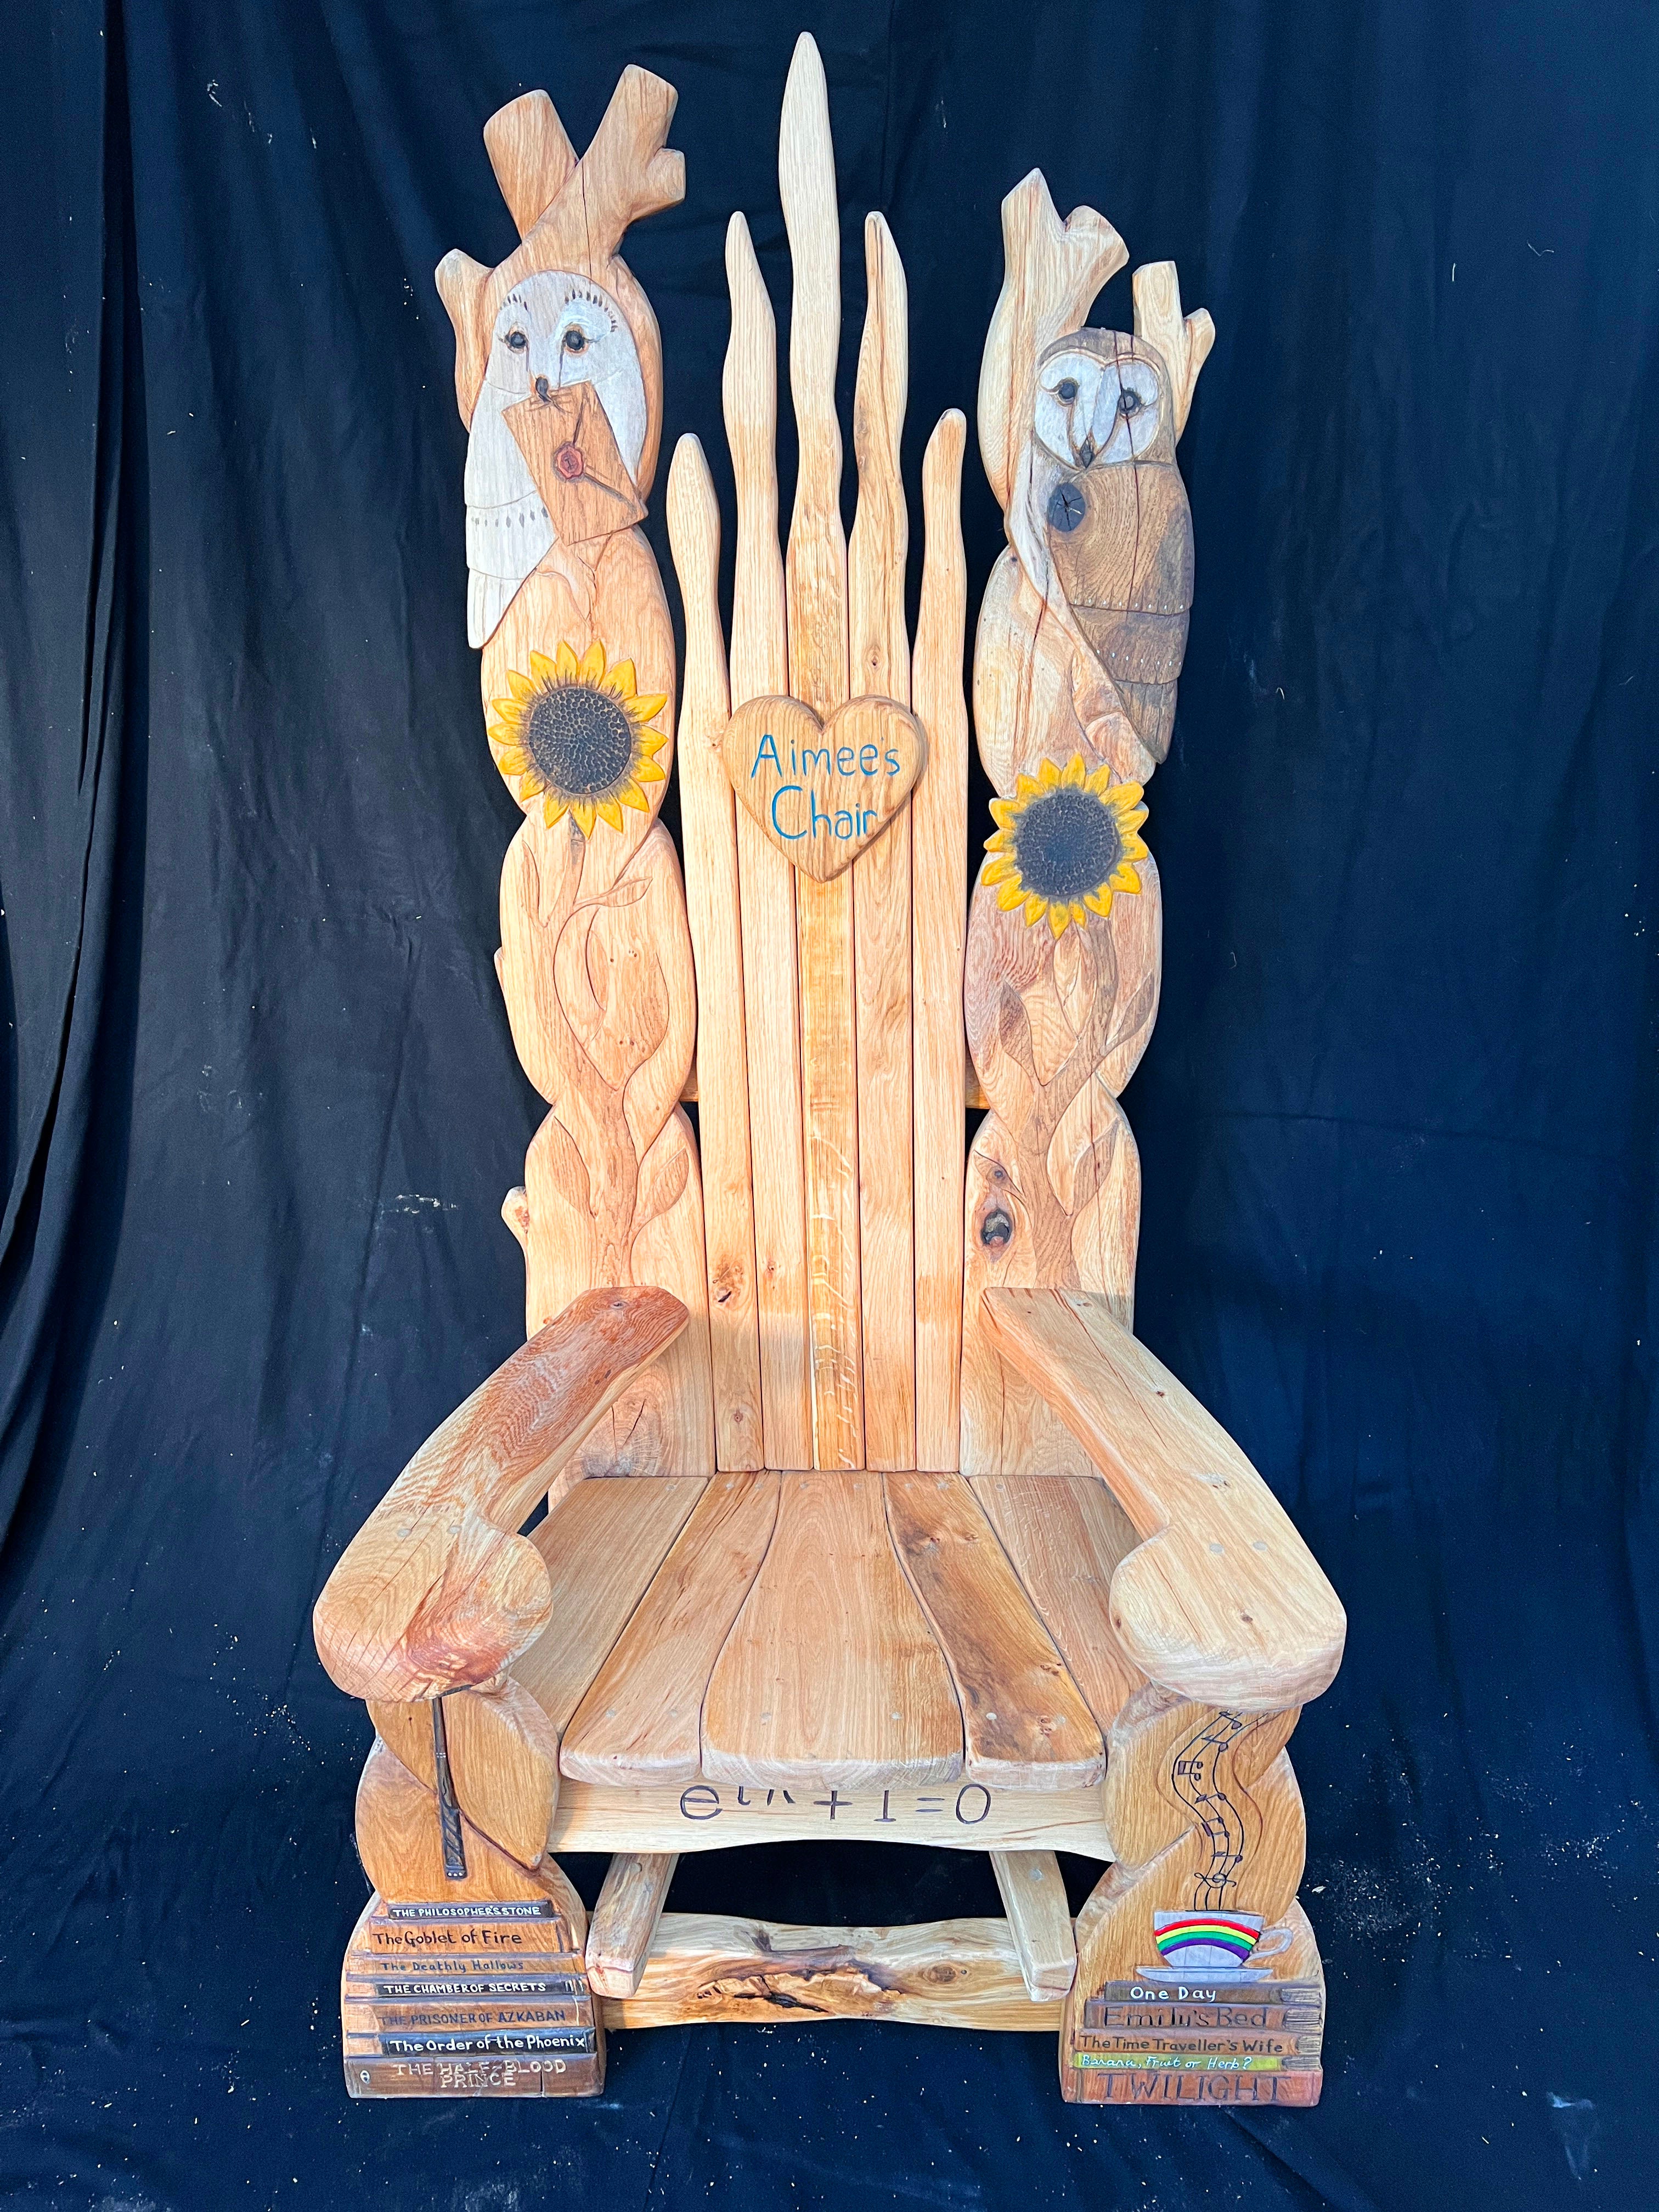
(438, 1590)
(1223, 1600)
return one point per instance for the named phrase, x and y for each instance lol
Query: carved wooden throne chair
(867, 1514)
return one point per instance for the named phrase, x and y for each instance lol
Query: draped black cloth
(1397, 1120)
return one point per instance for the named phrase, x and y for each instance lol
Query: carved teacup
(1207, 1942)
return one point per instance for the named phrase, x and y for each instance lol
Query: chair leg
(1175, 2001)
(465, 1975)
(625, 1919)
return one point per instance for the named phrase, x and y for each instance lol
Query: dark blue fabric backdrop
(1398, 1120)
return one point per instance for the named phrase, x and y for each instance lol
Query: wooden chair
(867, 1514)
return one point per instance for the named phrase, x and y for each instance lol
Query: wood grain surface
(944, 1973)
(815, 570)
(402, 1853)
(625, 1920)
(760, 668)
(708, 830)
(640, 1721)
(601, 1544)
(1025, 1721)
(939, 814)
(1033, 1893)
(1065, 1536)
(706, 1816)
(503, 1755)
(880, 661)
(830, 1676)
(1222, 1600)
(438, 1590)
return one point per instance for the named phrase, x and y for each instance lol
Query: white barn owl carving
(554, 331)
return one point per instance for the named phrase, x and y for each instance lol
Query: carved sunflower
(574, 732)
(1065, 844)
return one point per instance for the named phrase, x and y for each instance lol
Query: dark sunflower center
(1066, 843)
(581, 740)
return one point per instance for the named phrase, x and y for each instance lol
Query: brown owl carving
(1115, 514)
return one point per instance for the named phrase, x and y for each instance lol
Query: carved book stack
(867, 1514)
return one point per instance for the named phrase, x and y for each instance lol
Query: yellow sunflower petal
(1047, 776)
(565, 663)
(1002, 812)
(631, 795)
(619, 680)
(590, 667)
(999, 871)
(509, 731)
(1098, 902)
(1126, 795)
(1036, 907)
(1099, 782)
(1001, 841)
(639, 711)
(1131, 817)
(520, 686)
(1124, 878)
(1024, 787)
(544, 669)
(610, 812)
(530, 786)
(1010, 896)
(649, 771)
(514, 761)
(1058, 916)
(584, 810)
(1074, 775)
(553, 809)
(1133, 850)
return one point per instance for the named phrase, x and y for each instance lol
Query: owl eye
(517, 340)
(1128, 402)
(575, 340)
(1066, 389)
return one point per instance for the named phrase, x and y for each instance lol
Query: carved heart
(824, 791)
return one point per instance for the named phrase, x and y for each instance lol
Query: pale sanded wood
(1184, 340)
(531, 154)
(639, 1720)
(706, 1816)
(1033, 1895)
(879, 662)
(1222, 1601)
(942, 1974)
(438, 1590)
(1066, 1536)
(625, 1919)
(1053, 270)
(708, 830)
(1025, 1721)
(1005, 1424)
(815, 569)
(569, 609)
(503, 1756)
(938, 830)
(760, 668)
(601, 1543)
(830, 1676)
(1240, 1848)
(815, 562)
(822, 792)
(400, 1844)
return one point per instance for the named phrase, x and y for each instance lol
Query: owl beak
(1085, 452)
(544, 389)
